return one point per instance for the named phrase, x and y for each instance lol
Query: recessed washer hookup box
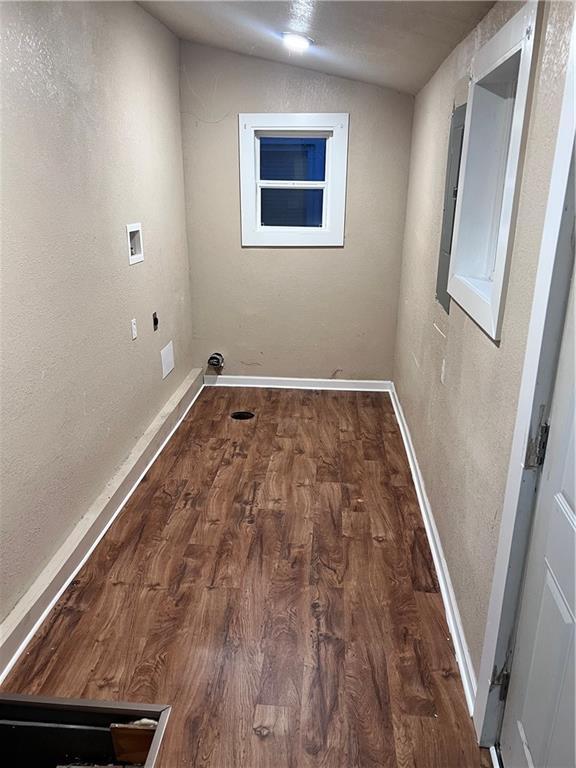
(63, 733)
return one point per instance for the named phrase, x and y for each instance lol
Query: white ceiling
(397, 44)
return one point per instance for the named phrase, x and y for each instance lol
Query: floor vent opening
(242, 415)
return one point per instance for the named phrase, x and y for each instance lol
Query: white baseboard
(495, 759)
(447, 590)
(350, 385)
(23, 621)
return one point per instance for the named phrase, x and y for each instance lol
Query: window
(497, 98)
(293, 179)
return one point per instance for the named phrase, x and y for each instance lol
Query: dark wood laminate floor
(271, 579)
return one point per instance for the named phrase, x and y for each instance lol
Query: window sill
(292, 238)
(476, 296)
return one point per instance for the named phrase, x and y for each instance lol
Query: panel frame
(482, 298)
(333, 126)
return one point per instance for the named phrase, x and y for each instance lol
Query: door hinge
(536, 449)
(543, 434)
(504, 685)
(501, 679)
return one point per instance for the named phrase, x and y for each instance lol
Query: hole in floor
(242, 415)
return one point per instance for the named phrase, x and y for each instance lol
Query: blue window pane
(291, 207)
(292, 159)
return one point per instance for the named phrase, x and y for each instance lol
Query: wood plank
(329, 559)
(368, 689)
(397, 460)
(435, 633)
(371, 737)
(281, 682)
(323, 718)
(274, 737)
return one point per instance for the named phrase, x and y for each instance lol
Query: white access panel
(167, 356)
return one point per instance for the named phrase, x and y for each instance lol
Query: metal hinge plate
(501, 679)
(536, 450)
(504, 685)
(542, 443)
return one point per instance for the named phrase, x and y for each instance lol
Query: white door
(539, 725)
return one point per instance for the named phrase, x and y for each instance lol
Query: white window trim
(331, 233)
(483, 299)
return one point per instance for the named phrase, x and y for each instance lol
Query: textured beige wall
(292, 312)
(462, 429)
(91, 141)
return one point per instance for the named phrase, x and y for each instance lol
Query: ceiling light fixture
(296, 43)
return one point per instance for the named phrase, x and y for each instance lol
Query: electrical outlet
(134, 328)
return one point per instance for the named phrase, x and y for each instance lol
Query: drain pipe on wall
(214, 367)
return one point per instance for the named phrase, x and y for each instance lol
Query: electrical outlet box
(135, 243)
(167, 356)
